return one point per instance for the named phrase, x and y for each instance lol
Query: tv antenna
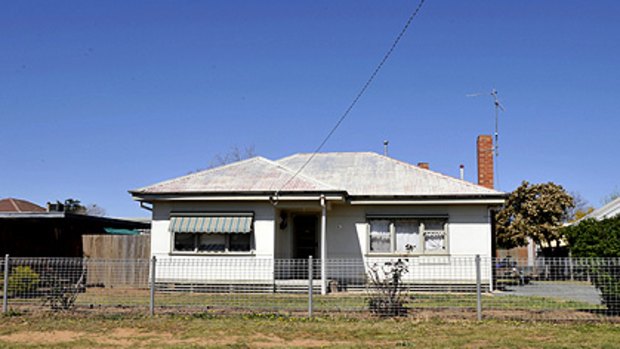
(498, 107)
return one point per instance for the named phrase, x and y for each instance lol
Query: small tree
(233, 155)
(386, 292)
(611, 196)
(580, 209)
(536, 211)
(74, 206)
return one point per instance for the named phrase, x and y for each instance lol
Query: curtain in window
(434, 241)
(434, 235)
(380, 236)
(407, 236)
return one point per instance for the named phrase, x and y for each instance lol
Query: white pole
(323, 245)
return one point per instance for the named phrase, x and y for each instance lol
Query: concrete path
(575, 291)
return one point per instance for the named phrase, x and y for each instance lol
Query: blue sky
(101, 97)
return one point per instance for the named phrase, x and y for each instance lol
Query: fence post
(310, 291)
(478, 289)
(152, 294)
(5, 286)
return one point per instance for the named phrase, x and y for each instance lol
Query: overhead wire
(355, 100)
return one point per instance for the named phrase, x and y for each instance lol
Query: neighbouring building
(29, 230)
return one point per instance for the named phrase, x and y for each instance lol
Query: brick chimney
(423, 165)
(485, 160)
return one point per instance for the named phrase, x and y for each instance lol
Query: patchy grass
(299, 302)
(272, 331)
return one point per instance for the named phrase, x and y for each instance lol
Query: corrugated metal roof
(359, 174)
(377, 175)
(252, 175)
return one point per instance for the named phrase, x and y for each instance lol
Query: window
(191, 242)
(404, 235)
(212, 233)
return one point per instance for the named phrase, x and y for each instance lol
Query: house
(609, 210)
(29, 230)
(358, 206)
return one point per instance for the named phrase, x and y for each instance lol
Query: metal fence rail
(464, 287)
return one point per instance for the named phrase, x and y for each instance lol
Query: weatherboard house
(359, 207)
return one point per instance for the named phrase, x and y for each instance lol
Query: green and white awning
(211, 224)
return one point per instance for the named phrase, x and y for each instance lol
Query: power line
(357, 97)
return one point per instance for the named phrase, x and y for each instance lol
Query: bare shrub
(385, 291)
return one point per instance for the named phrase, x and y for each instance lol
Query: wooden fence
(117, 247)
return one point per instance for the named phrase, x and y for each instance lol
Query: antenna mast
(498, 107)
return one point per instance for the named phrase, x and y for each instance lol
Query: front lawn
(270, 331)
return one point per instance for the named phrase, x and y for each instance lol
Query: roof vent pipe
(385, 147)
(462, 171)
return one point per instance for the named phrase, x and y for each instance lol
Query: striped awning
(239, 224)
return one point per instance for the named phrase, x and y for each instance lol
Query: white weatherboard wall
(171, 266)
(469, 234)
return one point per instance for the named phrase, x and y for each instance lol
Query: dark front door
(305, 240)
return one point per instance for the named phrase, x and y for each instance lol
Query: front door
(305, 241)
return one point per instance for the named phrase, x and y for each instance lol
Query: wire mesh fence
(442, 286)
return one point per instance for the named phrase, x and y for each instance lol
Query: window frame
(421, 247)
(227, 251)
(228, 236)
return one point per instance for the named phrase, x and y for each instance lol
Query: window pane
(240, 242)
(380, 236)
(407, 236)
(434, 235)
(434, 225)
(183, 242)
(212, 242)
(434, 242)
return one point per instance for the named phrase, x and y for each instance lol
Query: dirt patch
(53, 337)
(260, 340)
(119, 338)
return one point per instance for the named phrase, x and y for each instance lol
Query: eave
(455, 199)
(240, 196)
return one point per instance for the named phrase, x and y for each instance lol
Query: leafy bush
(386, 292)
(23, 281)
(592, 239)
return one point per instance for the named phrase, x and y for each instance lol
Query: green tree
(592, 239)
(534, 211)
(74, 206)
